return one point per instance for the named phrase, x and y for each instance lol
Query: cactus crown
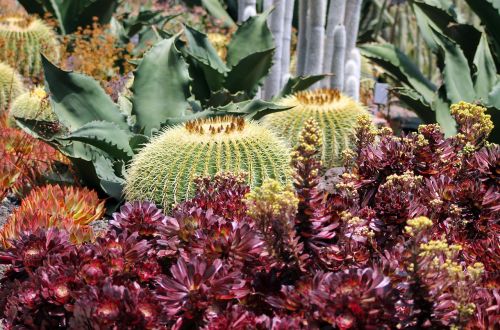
(165, 170)
(11, 85)
(33, 105)
(320, 97)
(22, 39)
(334, 112)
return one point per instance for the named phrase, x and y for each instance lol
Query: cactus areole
(335, 113)
(165, 169)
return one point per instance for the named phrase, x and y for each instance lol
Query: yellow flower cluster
(465, 113)
(272, 199)
(434, 247)
(417, 225)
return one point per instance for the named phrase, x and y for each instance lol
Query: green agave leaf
(297, 84)
(108, 180)
(223, 97)
(251, 109)
(494, 96)
(485, 76)
(36, 6)
(161, 86)
(416, 103)
(240, 78)
(251, 37)
(401, 67)
(200, 47)
(442, 107)
(78, 99)
(489, 13)
(215, 9)
(105, 136)
(456, 72)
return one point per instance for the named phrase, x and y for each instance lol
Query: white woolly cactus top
(334, 112)
(164, 170)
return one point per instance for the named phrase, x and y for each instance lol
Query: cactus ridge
(11, 85)
(33, 105)
(22, 39)
(334, 112)
(165, 169)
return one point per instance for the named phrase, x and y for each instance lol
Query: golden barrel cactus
(22, 39)
(33, 105)
(11, 85)
(334, 112)
(165, 169)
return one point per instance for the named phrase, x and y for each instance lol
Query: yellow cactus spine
(163, 172)
(334, 112)
(11, 85)
(22, 39)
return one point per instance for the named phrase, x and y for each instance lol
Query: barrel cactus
(22, 39)
(11, 85)
(165, 169)
(33, 105)
(335, 113)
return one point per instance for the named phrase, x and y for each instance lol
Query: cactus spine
(164, 170)
(35, 105)
(23, 39)
(11, 85)
(335, 113)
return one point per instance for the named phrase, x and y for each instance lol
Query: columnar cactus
(34, 105)
(11, 85)
(165, 169)
(22, 39)
(334, 112)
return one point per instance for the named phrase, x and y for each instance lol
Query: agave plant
(468, 60)
(190, 78)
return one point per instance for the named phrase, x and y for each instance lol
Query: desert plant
(25, 162)
(73, 14)
(11, 85)
(334, 112)
(33, 105)
(464, 54)
(69, 208)
(194, 82)
(23, 39)
(164, 170)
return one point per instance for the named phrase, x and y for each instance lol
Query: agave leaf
(252, 36)
(242, 79)
(161, 86)
(223, 97)
(250, 109)
(416, 102)
(494, 96)
(78, 99)
(485, 76)
(401, 67)
(200, 47)
(489, 13)
(215, 9)
(441, 105)
(456, 71)
(108, 180)
(105, 136)
(297, 84)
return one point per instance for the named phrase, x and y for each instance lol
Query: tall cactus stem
(287, 40)
(338, 58)
(272, 84)
(302, 42)
(336, 13)
(352, 18)
(315, 37)
(352, 87)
